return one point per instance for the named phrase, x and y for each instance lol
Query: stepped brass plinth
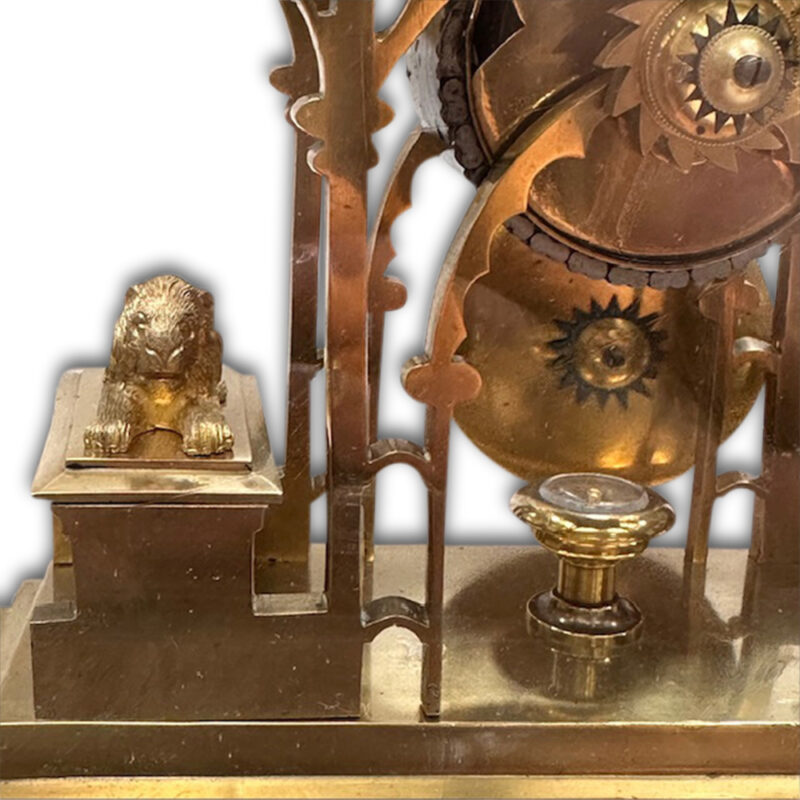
(149, 610)
(592, 523)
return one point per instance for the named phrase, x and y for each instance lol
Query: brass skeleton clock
(600, 324)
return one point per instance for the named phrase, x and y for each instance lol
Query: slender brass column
(776, 529)
(586, 586)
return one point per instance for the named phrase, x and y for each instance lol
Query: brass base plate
(596, 787)
(703, 692)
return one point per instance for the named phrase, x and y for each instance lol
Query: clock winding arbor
(599, 326)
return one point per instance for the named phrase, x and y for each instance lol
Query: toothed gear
(608, 351)
(710, 78)
(696, 85)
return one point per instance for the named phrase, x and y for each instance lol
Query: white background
(135, 135)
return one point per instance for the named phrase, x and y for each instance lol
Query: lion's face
(163, 327)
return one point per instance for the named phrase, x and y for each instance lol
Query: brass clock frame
(479, 727)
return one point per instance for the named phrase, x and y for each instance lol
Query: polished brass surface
(158, 449)
(586, 585)
(660, 710)
(187, 631)
(592, 523)
(165, 373)
(598, 528)
(155, 469)
(659, 787)
(582, 376)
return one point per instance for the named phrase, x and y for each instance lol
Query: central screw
(752, 71)
(613, 357)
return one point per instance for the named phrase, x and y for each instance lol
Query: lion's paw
(108, 438)
(207, 437)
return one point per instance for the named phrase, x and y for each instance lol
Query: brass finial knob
(591, 522)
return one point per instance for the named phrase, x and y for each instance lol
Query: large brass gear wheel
(695, 170)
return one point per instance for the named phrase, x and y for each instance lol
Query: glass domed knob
(591, 522)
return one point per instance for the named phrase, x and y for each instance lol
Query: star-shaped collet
(742, 68)
(608, 351)
(709, 77)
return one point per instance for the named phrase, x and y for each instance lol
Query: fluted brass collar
(590, 517)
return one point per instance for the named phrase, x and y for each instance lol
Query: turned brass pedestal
(592, 523)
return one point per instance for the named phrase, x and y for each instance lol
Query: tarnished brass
(165, 373)
(342, 155)
(599, 310)
(281, 548)
(776, 523)
(578, 375)
(152, 610)
(592, 523)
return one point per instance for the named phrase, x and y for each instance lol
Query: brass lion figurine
(165, 372)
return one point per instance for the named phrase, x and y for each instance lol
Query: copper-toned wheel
(694, 172)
